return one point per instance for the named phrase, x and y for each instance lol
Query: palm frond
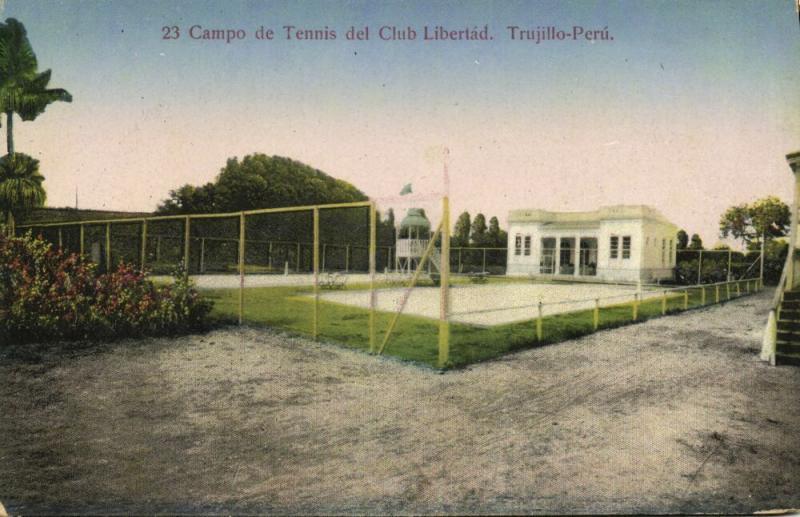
(21, 183)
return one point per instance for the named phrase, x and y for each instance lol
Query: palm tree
(23, 90)
(20, 186)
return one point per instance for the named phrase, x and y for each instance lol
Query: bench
(479, 278)
(333, 281)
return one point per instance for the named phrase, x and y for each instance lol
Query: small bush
(46, 294)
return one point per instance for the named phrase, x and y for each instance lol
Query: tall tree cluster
(260, 181)
(475, 232)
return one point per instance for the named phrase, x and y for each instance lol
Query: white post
(769, 343)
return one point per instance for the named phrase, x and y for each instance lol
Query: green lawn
(416, 338)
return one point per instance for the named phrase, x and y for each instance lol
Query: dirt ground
(673, 415)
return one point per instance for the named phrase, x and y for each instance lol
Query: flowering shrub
(47, 294)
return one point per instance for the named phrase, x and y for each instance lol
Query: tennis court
(496, 303)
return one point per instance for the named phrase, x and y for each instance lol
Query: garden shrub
(47, 294)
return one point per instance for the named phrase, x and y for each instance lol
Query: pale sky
(690, 109)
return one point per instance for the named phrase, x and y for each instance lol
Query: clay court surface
(494, 304)
(673, 415)
(482, 305)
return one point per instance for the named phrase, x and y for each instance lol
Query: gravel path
(673, 415)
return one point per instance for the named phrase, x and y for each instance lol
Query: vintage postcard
(399, 257)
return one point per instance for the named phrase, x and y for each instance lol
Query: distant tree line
(476, 234)
(764, 220)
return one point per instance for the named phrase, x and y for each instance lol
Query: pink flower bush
(48, 294)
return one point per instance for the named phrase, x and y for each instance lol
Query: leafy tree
(23, 89)
(478, 235)
(260, 181)
(390, 218)
(771, 218)
(385, 229)
(496, 237)
(461, 230)
(683, 240)
(20, 186)
(696, 242)
(768, 218)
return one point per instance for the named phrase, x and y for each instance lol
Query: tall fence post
(730, 254)
(738, 289)
(728, 290)
(761, 261)
(700, 268)
(108, 247)
(82, 234)
(716, 293)
(372, 293)
(635, 306)
(143, 259)
(60, 239)
(297, 267)
(347, 258)
(483, 269)
(444, 276)
(315, 327)
(186, 238)
(241, 266)
(664, 303)
(596, 314)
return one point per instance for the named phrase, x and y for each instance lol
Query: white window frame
(526, 246)
(613, 247)
(630, 247)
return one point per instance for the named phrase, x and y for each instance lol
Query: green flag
(406, 189)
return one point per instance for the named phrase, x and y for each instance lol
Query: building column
(794, 163)
(577, 255)
(557, 266)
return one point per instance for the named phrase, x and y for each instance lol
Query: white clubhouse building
(628, 243)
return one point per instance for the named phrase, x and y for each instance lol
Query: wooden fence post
(315, 327)
(241, 266)
(144, 244)
(108, 247)
(186, 239)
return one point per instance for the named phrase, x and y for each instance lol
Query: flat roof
(604, 213)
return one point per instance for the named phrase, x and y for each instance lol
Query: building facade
(627, 243)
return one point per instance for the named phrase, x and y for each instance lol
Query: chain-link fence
(321, 271)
